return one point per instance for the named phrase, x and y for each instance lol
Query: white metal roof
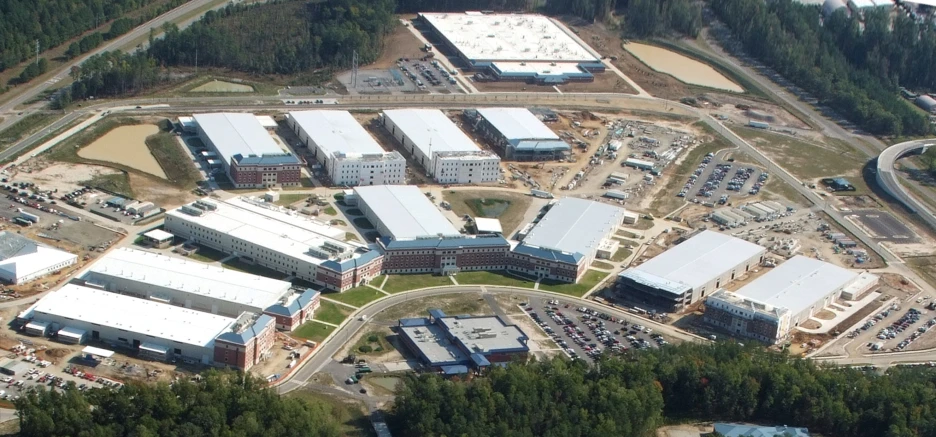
(189, 276)
(430, 129)
(700, 259)
(518, 37)
(575, 225)
(336, 132)
(267, 121)
(540, 68)
(488, 225)
(517, 124)
(91, 350)
(405, 211)
(140, 316)
(21, 257)
(234, 133)
(158, 235)
(267, 225)
(798, 283)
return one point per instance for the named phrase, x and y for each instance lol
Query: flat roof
(91, 350)
(140, 316)
(539, 68)
(575, 225)
(488, 225)
(797, 283)
(21, 256)
(189, 276)
(699, 259)
(236, 133)
(158, 235)
(266, 225)
(519, 37)
(434, 345)
(336, 132)
(485, 335)
(517, 124)
(405, 211)
(430, 129)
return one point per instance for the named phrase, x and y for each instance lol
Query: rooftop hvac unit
(187, 209)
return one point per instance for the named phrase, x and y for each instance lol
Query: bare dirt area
(59, 176)
(399, 44)
(685, 430)
(160, 193)
(742, 110)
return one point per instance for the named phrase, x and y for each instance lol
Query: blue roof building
(742, 430)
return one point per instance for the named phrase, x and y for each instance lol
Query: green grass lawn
(493, 278)
(25, 127)
(374, 343)
(621, 254)
(207, 255)
(589, 280)
(331, 312)
(507, 207)
(377, 281)
(351, 414)
(602, 265)
(118, 183)
(350, 236)
(627, 234)
(358, 296)
(313, 331)
(289, 199)
(363, 223)
(179, 168)
(398, 283)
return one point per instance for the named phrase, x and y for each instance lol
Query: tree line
(222, 403)
(633, 395)
(52, 22)
(843, 74)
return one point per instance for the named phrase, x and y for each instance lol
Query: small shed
(159, 238)
(488, 225)
(267, 122)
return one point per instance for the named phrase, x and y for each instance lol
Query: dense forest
(852, 76)
(631, 396)
(53, 22)
(221, 404)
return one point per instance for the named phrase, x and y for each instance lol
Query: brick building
(244, 348)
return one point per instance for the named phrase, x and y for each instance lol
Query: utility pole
(354, 69)
(196, 57)
(37, 52)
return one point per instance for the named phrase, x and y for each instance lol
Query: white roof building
(23, 260)
(185, 282)
(236, 134)
(517, 124)
(114, 315)
(573, 229)
(692, 269)
(402, 212)
(508, 37)
(348, 152)
(440, 146)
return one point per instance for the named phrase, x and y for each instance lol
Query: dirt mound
(57, 352)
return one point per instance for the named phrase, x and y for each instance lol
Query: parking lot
(885, 226)
(409, 76)
(58, 225)
(43, 375)
(581, 332)
(717, 182)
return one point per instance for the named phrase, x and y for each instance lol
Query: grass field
(25, 127)
(666, 201)
(627, 234)
(351, 414)
(331, 312)
(589, 280)
(493, 278)
(602, 265)
(357, 296)
(925, 266)
(621, 254)
(330, 210)
(507, 207)
(175, 162)
(207, 255)
(806, 160)
(289, 199)
(398, 283)
(376, 341)
(217, 86)
(461, 303)
(117, 183)
(314, 331)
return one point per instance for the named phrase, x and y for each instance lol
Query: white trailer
(541, 194)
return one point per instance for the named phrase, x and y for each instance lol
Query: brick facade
(265, 175)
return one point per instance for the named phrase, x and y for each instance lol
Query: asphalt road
(888, 178)
(354, 323)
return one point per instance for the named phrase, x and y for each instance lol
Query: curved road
(353, 323)
(889, 180)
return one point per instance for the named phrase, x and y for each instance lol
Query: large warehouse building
(349, 155)
(276, 238)
(521, 135)
(155, 330)
(524, 47)
(417, 238)
(772, 305)
(249, 155)
(689, 271)
(455, 344)
(202, 287)
(566, 240)
(23, 260)
(440, 147)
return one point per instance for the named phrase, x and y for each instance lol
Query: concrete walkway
(840, 316)
(324, 323)
(339, 302)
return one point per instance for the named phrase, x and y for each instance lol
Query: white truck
(541, 194)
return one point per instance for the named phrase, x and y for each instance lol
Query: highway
(353, 323)
(888, 178)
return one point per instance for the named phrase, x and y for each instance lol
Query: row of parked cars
(740, 178)
(695, 175)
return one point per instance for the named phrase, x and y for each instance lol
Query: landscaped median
(399, 283)
(493, 278)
